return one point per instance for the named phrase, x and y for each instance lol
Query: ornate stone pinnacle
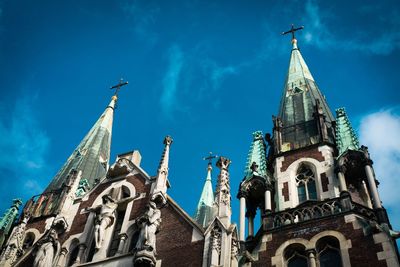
(168, 140)
(223, 163)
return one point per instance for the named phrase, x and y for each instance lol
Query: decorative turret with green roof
(256, 157)
(205, 211)
(346, 138)
(8, 220)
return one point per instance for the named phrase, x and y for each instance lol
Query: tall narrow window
(305, 180)
(328, 252)
(117, 230)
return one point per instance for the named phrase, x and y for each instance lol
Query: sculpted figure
(149, 225)
(105, 216)
(48, 248)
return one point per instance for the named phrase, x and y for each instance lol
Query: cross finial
(118, 86)
(210, 158)
(293, 30)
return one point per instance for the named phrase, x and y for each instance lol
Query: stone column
(242, 218)
(268, 200)
(372, 185)
(250, 220)
(61, 259)
(342, 180)
(122, 239)
(311, 258)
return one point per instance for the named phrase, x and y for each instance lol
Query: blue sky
(209, 73)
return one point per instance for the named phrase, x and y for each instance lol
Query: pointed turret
(92, 155)
(346, 138)
(305, 116)
(257, 157)
(205, 211)
(8, 220)
(159, 189)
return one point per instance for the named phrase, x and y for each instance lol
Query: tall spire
(346, 137)
(256, 157)
(8, 219)
(301, 102)
(205, 210)
(159, 189)
(92, 155)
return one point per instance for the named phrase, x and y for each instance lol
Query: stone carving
(223, 181)
(105, 216)
(15, 244)
(216, 239)
(234, 247)
(149, 225)
(123, 166)
(47, 249)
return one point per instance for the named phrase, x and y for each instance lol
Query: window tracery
(306, 186)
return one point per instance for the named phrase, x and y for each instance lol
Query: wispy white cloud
(143, 16)
(321, 22)
(24, 146)
(380, 132)
(190, 77)
(169, 98)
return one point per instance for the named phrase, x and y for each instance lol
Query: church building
(310, 182)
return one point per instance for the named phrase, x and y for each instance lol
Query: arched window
(28, 241)
(123, 192)
(295, 256)
(305, 180)
(329, 252)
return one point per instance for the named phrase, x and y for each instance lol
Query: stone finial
(223, 163)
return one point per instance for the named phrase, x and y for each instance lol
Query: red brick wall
(174, 245)
(302, 153)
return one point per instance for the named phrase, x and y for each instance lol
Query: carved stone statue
(105, 216)
(149, 225)
(48, 248)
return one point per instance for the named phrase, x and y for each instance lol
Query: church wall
(354, 243)
(174, 241)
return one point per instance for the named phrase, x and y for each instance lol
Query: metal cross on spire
(118, 86)
(293, 30)
(210, 158)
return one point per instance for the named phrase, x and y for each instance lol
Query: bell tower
(315, 187)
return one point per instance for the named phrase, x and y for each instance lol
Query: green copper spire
(8, 219)
(205, 212)
(301, 101)
(346, 137)
(92, 154)
(256, 160)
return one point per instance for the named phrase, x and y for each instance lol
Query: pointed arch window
(306, 187)
(295, 256)
(329, 252)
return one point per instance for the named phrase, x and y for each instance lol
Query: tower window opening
(305, 180)
(295, 256)
(329, 253)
